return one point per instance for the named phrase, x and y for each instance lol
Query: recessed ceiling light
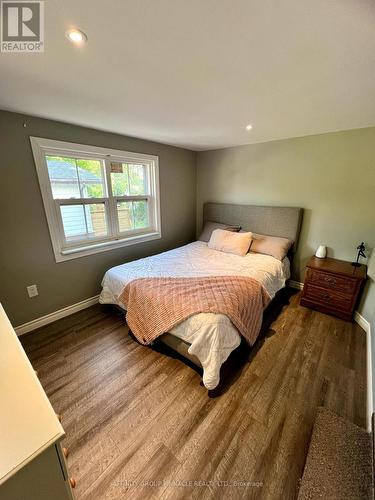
(76, 36)
(249, 127)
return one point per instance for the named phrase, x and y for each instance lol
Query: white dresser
(32, 463)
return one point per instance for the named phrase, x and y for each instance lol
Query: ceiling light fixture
(76, 36)
(249, 127)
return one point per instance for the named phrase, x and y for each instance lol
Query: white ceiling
(194, 73)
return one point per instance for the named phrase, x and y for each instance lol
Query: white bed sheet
(212, 336)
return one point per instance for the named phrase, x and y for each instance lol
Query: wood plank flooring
(140, 425)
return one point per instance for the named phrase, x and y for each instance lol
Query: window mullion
(112, 212)
(127, 172)
(140, 197)
(80, 201)
(85, 216)
(78, 178)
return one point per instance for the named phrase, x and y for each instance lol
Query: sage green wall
(332, 176)
(370, 303)
(26, 255)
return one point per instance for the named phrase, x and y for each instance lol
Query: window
(96, 199)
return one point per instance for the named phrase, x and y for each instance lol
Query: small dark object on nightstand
(361, 253)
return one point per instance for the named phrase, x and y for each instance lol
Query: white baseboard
(50, 318)
(365, 325)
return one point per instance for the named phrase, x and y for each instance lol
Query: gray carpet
(339, 461)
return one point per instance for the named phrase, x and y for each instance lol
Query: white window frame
(65, 251)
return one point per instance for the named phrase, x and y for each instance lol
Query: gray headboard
(273, 221)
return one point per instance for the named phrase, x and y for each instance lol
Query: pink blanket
(155, 305)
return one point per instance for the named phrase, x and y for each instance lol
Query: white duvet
(212, 336)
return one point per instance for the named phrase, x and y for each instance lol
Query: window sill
(83, 251)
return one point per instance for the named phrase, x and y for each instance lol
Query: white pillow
(226, 241)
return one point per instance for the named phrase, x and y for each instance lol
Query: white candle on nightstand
(321, 252)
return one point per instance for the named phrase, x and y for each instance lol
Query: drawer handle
(331, 281)
(58, 417)
(325, 296)
(65, 452)
(73, 482)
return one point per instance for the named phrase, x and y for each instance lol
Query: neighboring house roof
(60, 171)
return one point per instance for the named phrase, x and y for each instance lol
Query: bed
(207, 339)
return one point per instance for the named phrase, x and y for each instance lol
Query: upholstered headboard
(273, 221)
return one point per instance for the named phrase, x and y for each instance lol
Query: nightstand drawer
(333, 282)
(328, 298)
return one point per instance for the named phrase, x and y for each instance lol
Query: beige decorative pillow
(211, 226)
(226, 241)
(271, 245)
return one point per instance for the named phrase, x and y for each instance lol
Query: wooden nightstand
(332, 286)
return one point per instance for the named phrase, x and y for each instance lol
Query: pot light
(249, 127)
(76, 36)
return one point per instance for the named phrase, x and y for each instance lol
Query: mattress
(212, 337)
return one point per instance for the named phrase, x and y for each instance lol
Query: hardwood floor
(136, 419)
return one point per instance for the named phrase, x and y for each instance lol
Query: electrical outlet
(32, 290)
